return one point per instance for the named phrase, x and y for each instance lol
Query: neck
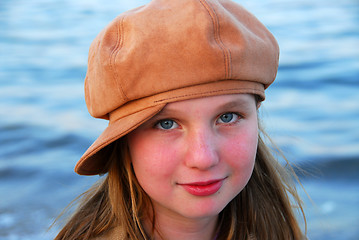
(180, 228)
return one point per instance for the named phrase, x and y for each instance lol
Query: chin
(203, 210)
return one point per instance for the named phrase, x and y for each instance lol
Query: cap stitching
(205, 93)
(216, 35)
(114, 53)
(227, 51)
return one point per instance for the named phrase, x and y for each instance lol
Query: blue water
(311, 112)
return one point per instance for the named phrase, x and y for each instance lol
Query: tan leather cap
(167, 51)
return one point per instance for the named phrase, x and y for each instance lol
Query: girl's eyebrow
(237, 103)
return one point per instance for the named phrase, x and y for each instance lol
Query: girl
(180, 82)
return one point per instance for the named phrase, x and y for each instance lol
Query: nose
(202, 150)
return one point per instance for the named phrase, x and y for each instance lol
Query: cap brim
(93, 161)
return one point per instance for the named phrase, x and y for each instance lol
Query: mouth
(205, 188)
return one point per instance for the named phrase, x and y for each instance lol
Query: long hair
(263, 210)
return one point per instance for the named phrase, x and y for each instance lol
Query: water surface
(311, 111)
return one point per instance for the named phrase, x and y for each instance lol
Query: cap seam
(171, 99)
(114, 53)
(205, 93)
(216, 34)
(226, 50)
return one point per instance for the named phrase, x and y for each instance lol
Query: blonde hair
(263, 210)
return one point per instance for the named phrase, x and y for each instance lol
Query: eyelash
(237, 117)
(158, 124)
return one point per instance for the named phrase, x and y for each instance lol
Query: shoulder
(116, 233)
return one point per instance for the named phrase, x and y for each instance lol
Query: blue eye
(166, 124)
(228, 118)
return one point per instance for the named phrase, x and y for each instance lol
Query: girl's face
(196, 155)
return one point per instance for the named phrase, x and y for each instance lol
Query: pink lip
(203, 188)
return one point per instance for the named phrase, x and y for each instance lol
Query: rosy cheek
(154, 166)
(241, 151)
(152, 158)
